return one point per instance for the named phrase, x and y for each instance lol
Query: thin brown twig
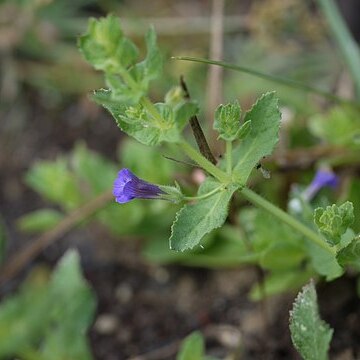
(197, 130)
(14, 265)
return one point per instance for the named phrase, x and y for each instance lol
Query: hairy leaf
(227, 121)
(310, 335)
(193, 221)
(260, 138)
(334, 220)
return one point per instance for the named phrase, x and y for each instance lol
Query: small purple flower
(322, 178)
(127, 186)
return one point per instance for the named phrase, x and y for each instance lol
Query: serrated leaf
(334, 220)
(137, 122)
(150, 68)
(261, 138)
(39, 220)
(105, 47)
(192, 348)
(227, 121)
(193, 221)
(350, 254)
(310, 335)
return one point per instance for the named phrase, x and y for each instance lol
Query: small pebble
(106, 324)
(123, 293)
(161, 275)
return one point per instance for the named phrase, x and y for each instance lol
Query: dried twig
(14, 265)
(196, 129)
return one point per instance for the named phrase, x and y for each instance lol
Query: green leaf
(72, 312)
(244, 129)
(340, 126)
(87, 165)
(282, 256)
(39, 220)
(184, 111)
(260, 139)
(137, 122)
(105, 47)
(193, 221)
(278, 282)
(192, 348)
(222, 248)
(350, 254)
(65, 305)
(151, 67)
(55, 182)
(227, 121)
(310, 335)
(323, 262)
(334, 220)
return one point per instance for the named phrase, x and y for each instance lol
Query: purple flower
(127, 186)
(322, 178)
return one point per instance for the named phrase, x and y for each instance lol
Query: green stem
(229, 157)
(277, 79)
(204, 163)
(145, 101)
(286, 218)
(204, 196)
(347, 44)
(150, 107)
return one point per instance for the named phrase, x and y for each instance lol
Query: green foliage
(49, 318)
(227, 121)
(260, 140)
(350, 254)
(278, 282)
(223, 247)
(334, 220)
(193, 221)
(340, 126)
(55, 182)
(39, 220)
(310, 335)
(86, 174)
(323, 262)
(192, 348)
(107, 49)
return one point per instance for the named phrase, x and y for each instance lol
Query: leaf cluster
(48, 318)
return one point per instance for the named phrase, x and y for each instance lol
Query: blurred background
(59, 151)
